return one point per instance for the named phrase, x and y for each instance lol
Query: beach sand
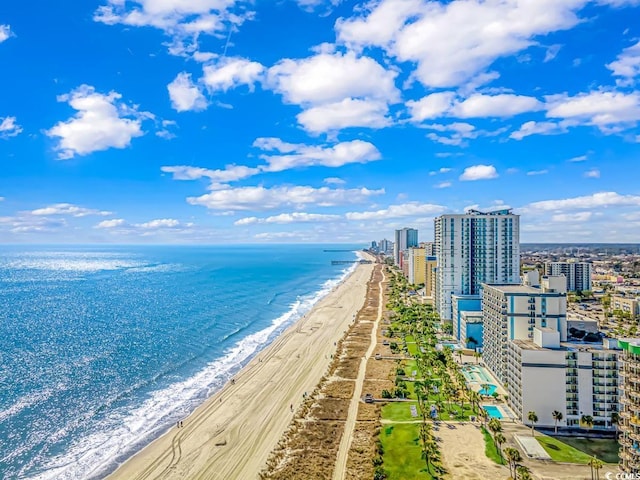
(231, 435)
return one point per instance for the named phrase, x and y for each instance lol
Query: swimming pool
(488, 389)
(494, 412)
(476, 374)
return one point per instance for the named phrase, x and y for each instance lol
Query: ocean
(103, 348)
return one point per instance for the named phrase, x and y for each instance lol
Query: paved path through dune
(339, 472)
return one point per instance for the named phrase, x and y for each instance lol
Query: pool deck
(504, 410)
(477, 385)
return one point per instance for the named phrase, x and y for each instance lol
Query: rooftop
(566, 346)
(513, 288)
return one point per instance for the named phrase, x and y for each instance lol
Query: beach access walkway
(339, 473)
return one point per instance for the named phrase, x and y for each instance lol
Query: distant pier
(344, 262)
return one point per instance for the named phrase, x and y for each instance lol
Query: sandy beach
(231, 435)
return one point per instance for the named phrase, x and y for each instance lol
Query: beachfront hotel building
(404, 238)
(512, 312)
(474, 248)
(416, 265)
(629, 437)
(431, 263)
(578, 274)
(544, 375)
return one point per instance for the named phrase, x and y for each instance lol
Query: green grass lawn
(411, 345)
(399, 412)
(490, 448)
(402, 460)
(410, 366)
(580, 450)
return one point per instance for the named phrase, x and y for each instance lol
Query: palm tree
(557, 417)
(615, 418)
(595, 466)
(485, 388)
(499, 439)
(523, 472)
(533, 418)
(482, 413)
(513, 457)
(477, 356)
(587, 421)
(495, 426)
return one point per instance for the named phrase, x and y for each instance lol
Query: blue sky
(217, 121)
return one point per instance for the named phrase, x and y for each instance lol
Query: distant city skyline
(164, 121)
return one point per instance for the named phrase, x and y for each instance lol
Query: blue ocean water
(104, 348)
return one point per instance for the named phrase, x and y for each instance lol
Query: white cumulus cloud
(230, 173)
(289, 155)
(446, 104)
(262, 198)
(479, 172)
(347, 113)
(538, 128)
(453, 42)
(627, 65)
(9, 127)
(102, 122)
(332, 77)
(596, 200)
(113, 223)
(185, 95)
(160, 223)
(184, 21)
(603, 109)
(411, 209)
(5, 32)
(286, 218)
(227, 73)
(68, 209)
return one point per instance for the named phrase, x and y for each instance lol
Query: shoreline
(232, 432)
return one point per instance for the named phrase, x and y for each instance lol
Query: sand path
(231, 435)
(462, 447)
(340, 470)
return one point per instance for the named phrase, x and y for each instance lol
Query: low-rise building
(471, 329)
(629, 305)
(463, 303)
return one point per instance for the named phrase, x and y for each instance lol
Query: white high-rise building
(544, 375)
(475, 248)
(578, 274)
(405, 238)
(511, 312)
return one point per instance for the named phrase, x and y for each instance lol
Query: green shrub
(379, 473)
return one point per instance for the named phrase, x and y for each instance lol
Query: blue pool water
(488, 389)
(104, 348)
(494, 412)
